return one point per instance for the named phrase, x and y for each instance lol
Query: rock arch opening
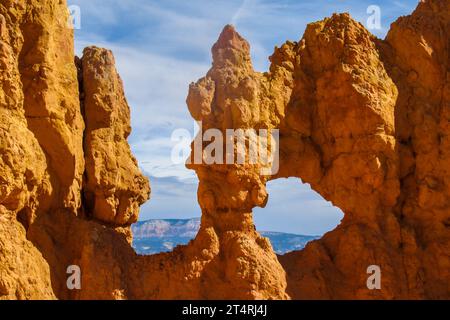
(294, 215)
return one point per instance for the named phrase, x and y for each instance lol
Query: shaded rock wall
(364, 121)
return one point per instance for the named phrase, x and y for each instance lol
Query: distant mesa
(163, 235)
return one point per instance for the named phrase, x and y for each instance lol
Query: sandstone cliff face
(364, 121)
(45, 183)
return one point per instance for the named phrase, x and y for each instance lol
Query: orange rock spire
(364, 121)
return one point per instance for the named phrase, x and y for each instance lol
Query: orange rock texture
(114, 187)
(364, 121)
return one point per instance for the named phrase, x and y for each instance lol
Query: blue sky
(162, 46)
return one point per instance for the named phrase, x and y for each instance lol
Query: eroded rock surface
(44, 181)
(364, 121)
(114, 186)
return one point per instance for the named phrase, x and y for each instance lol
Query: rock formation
(50, 128)
(114, 187)
(364, 121)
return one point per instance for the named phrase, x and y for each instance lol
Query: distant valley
(162, 235)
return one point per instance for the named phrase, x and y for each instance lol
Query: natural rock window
(294, 215)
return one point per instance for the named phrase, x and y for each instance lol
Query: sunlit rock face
(66, 167)
(364, 121)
